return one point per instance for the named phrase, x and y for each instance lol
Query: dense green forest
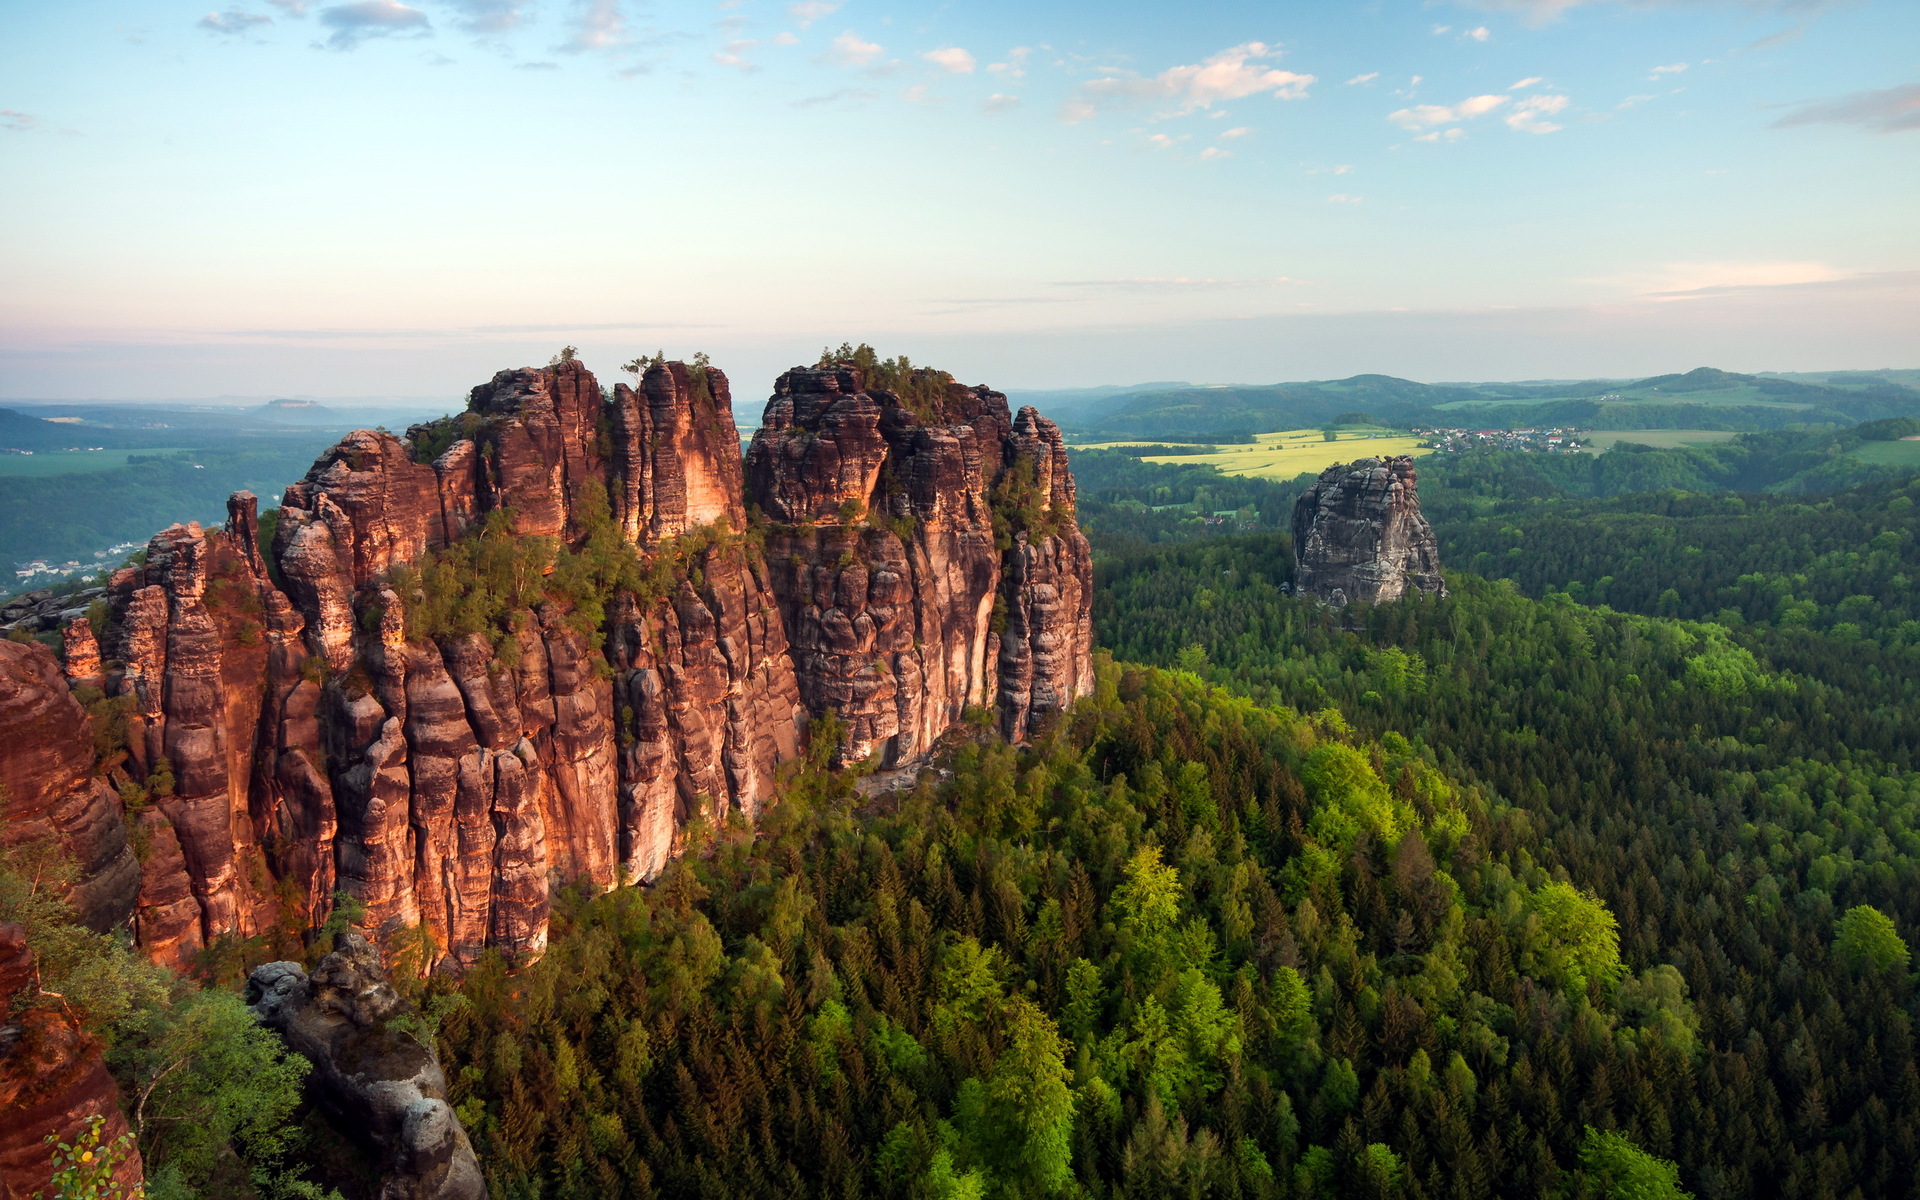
(1186, 945)
(1729, 788)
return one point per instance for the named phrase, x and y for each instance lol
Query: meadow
(1603, 440)
(1286, 454)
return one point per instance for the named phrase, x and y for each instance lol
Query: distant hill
(1703, 398)
(300, 412)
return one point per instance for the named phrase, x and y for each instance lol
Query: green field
(1602, 441)
(1902, 453)
(1286, 454)
(43, 463)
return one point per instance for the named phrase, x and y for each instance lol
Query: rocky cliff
(371, 1074)
(53, 1081)
(527, 645)
(1359, 535)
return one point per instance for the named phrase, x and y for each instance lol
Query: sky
(384, 198)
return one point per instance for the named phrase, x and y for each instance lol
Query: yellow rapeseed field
(1287, 454)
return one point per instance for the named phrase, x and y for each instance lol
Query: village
(1539, 441)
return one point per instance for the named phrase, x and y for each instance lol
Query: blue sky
(373, 197)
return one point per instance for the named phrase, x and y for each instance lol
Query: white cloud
(1213, 152)
(917, 94)
(849, 51)
(1015, 67)
(1442, 135)
(1369, 77)
(600, 25)
(1889, 110)
(492, 16)
(232, 21)
(1343, 198)
(1678, 280)
(1669, 69)
(1440, 29)
(1423, 116)
(1233, 74)
(1528, 82)
(354, 23)
(999, 102)
(783, 38)
(1479, 35)
(951, 58)
(1239, 131)
(1530, 115)
(1166, 141)
(18, 122)
(734, 54)
(809, 11)
(293, 8)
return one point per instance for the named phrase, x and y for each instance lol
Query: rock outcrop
(371, 1076)
(1359, 535)
(53, 1081)
(924, 554)
(527, 645)
(48, 786)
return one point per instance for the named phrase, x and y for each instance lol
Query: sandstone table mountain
(1359, 535)
(527, 645)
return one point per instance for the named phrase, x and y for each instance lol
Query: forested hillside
(1185, 946)
(1729, 789)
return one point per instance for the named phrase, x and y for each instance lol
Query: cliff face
(444, 687)
(53, 1080)
(925, 557)
(48, 787)
(1359, 535)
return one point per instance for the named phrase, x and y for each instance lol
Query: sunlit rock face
(298, 729)
(1359, 535)
(906, 601)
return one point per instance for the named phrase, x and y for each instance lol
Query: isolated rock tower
(1359, 535)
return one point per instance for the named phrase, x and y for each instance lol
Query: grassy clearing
(1890, 454)
(1604, 440)
(43, 463)
(1286, 454)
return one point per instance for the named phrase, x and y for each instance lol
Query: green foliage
(1865, 936)
(212, 1095)
(1686, 782)
(429, 440)
(1623, 1171)
(1580, 940)
(489, 582)
(88, 976)
(923, 391)
(83, 1169)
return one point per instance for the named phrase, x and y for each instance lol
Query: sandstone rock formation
(53, 1081)
(1359, 535)
(370, 1076)
(48, 787)
(925, 556)
(527, 645)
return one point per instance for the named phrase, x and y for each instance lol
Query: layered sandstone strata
(925, 556)
(1359, 535)
(376, 691)
(49, 788)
